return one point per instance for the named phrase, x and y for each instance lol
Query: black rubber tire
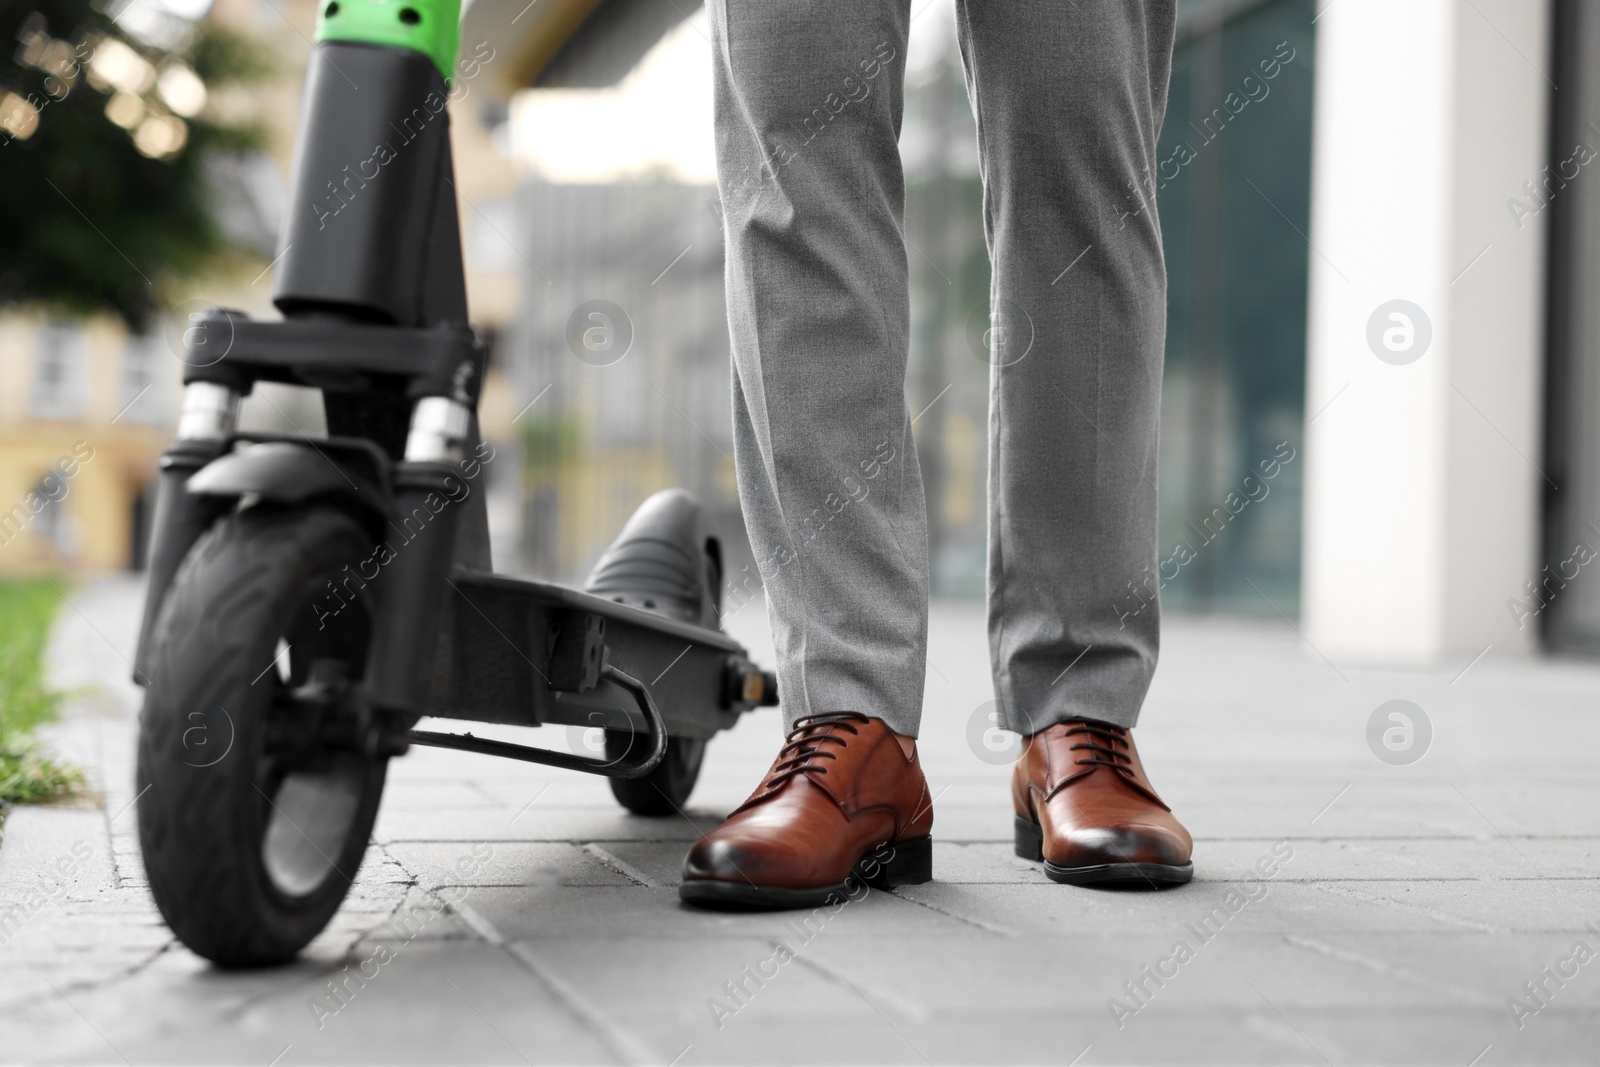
(665, 790)
(207, 822)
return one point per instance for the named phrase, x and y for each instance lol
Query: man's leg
(808, 103)
(1069, 99)
(1067, 131)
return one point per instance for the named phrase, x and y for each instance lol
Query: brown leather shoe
(1085, 807)
(841, 806)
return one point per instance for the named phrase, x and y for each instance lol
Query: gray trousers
(1069, 96)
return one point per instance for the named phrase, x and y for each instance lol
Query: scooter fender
(288, 472)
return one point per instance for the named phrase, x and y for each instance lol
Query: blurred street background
(571, 195)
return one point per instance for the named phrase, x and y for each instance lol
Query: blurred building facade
(85, 413)
(620, 344)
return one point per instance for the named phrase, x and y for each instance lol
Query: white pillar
(1422, 512)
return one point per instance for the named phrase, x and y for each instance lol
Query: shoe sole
(1030, 846)
(887, 866)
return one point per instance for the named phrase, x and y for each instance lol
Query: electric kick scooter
(311, 600)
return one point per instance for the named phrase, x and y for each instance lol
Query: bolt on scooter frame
(371, 284)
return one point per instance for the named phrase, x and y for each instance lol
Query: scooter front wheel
(258, 782)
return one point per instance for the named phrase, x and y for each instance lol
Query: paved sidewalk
(1406, 908)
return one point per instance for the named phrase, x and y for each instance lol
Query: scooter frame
(371, 285)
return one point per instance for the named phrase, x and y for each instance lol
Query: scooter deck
(528, 652)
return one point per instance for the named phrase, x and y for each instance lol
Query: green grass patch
(27, 774)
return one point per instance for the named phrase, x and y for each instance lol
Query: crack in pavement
(92, 985)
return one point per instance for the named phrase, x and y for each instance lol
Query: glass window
(145, 391)
(1234, 189)
(60, 372)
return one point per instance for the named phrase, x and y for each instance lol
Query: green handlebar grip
(432, 27)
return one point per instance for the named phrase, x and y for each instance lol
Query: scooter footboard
(528, 652)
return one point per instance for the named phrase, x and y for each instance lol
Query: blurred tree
(103, 140)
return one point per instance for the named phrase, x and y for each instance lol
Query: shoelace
(1107, 747)
(802, 752)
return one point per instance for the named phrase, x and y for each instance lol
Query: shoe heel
(1029, 840)
(906, 863)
